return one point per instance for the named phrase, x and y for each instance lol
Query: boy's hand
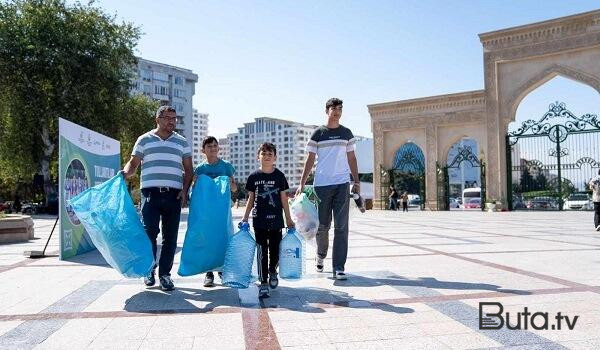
(299, 190)
(290, 223)
(244, 220)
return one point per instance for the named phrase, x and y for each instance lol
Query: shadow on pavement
(186, 300)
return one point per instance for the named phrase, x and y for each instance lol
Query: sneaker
(263, 290)
(149, 280)
(319, 264)
(209, 280)
(166, 283)
(340, 275)
(220, 275)
(273, 280)
(598, 228)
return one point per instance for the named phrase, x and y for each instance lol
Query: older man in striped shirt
(166, 159)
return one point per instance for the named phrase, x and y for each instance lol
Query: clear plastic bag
(305, 215)
(209, 228)
(112, 222)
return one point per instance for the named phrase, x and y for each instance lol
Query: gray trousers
(334, 199)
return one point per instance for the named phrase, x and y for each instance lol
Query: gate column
(430, 167)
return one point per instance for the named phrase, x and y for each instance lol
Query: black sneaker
(221, 275)
(273, 280)
(263, 290)
(149, 280)
(209, 280)
(166, 283)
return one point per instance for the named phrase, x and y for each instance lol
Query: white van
(468, 193)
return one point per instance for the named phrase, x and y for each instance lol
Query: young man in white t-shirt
(333, 147)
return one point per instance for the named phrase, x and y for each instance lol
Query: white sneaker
(598, 228)
(319, 264)
(340, 275)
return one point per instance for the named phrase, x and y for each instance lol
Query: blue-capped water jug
(237, 270)
(292, 253)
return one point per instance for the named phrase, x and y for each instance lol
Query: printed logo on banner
(68, 240)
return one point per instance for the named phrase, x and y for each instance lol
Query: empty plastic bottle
(237, 270)
(292, 253)
(358, 200)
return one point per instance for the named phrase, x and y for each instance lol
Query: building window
(178, 80)
(179, 93)
(146, 75)
(160, 90)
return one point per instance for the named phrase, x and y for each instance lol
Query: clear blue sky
(286, 58)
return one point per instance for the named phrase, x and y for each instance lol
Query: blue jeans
(335, 199)
(158, 205)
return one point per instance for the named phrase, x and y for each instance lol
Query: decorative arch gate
(408, 169)
(465, 154)
(552, 158)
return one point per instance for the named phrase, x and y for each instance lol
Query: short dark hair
(267, 146)
(209, 139)
(162, 109)
(333, 102)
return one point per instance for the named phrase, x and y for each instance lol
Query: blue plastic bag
(292, 251)
(239, 258)
(209, 226)
(107, 213)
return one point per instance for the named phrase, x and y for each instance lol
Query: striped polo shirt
(331, 147)
(162, 160)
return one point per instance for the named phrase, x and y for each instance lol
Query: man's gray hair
(162, 109)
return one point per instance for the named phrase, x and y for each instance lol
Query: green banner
(86, 159)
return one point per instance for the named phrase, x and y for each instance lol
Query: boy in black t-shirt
(267, 199)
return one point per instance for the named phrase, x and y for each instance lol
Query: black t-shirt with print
(267, 188)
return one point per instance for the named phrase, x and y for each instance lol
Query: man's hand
(299, 190)
(183, 196)
(356, 187)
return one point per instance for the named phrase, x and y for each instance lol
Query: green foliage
(63, 60)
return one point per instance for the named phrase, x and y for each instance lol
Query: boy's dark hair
(267, 146)
(209, 139)
(333, 102)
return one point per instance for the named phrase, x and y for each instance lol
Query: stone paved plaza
(416, 280)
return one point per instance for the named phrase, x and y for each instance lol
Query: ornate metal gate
(408, 174)
(550, 159)
(465, 154)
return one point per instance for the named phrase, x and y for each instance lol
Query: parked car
(542, 203)
(30, 208)
(473, 203)
(454, 203)
(415, 202)
(6, 207)
(579, 201)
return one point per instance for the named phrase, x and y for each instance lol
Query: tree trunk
(49, 188)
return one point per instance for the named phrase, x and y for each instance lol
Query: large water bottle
(237, 269)
(292, 253)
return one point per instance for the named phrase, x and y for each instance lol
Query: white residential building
(289, 137)
(199, 132)
(169, 85)
(224, 149)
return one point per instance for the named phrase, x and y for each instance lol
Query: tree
(69, 61)
(526, 181)
(541, 182)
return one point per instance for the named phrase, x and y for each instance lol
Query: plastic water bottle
(358, 200)
(292, 253)
(237, 269)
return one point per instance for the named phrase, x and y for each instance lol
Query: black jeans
(404, 206)
(267, 253)
(158, 205)
(596, 214)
